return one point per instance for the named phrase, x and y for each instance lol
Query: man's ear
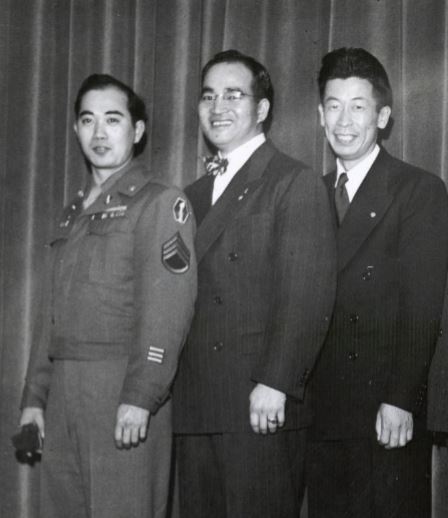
(75, 128)
(263, 110)
(140, 127)
(383, 117)
(321, 115)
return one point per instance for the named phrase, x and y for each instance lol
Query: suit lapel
(329, 180)
(367, 209)
(225, 209)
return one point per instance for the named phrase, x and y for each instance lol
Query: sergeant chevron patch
(175, 255)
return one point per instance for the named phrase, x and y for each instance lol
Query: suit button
(218, 346)
(440, 332)
(354, 318)
(233, 256)
(217, 300)
(353, 356)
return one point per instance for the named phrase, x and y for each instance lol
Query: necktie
(215, 164)
(341, 199)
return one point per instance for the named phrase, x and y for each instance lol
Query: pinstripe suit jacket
(266, 267)
(392, 263)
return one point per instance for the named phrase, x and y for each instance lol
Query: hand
(394, 426)
(131, 426)
(267, 409)
(34, 414)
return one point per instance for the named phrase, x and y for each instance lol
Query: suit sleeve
(304, 269)
(423, 259)
(165, 292)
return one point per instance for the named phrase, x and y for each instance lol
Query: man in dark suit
(266, 258)
(370, 456)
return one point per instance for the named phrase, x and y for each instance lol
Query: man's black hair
(345, 62)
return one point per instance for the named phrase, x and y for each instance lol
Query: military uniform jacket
(123, 284)
(266, 280)
(392, 263)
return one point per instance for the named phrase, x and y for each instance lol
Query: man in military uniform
(267, 271)
(122, 295)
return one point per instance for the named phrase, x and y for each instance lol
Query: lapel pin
(241, 196)
(373, 214)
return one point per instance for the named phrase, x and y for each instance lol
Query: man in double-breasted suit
(266, 280)
(369, 448)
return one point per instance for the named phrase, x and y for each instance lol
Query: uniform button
(353, 356)
(218, 346)
(217, 300)
(354, 318)
(233, 256)
(440, 332)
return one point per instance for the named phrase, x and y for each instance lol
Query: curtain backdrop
(47, 47)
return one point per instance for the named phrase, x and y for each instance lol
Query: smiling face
(229, 124)
(351, 118)
(105, 130)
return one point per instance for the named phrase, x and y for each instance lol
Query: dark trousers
(360, 479)
(83, 474)
(241, 475)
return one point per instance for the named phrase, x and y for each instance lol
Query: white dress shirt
(357, 173)
(237, 158)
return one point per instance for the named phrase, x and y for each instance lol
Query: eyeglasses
(231, 97)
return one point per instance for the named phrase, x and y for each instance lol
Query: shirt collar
(357, 173)
(239, 156)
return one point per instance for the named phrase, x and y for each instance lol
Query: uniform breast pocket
(109, 251)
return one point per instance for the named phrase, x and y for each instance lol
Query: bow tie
(215, 165)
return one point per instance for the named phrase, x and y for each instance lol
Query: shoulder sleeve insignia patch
(180, 211)
(175, 254)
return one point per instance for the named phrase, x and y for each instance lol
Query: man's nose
(100, 131)
(219, 104)
(345, 117)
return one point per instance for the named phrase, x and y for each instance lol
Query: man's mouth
(220, 123)
(100, 150)
(344, 138)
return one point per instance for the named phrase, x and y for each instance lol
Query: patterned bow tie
(215, 164)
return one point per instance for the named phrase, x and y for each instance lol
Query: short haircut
(136, 105)
(355, 62)
(261, 83)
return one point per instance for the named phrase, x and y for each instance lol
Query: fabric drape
(47, 47)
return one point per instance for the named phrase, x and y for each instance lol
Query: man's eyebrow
(227, 89)
(358, 98)
(109, 112)
(115, 112)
